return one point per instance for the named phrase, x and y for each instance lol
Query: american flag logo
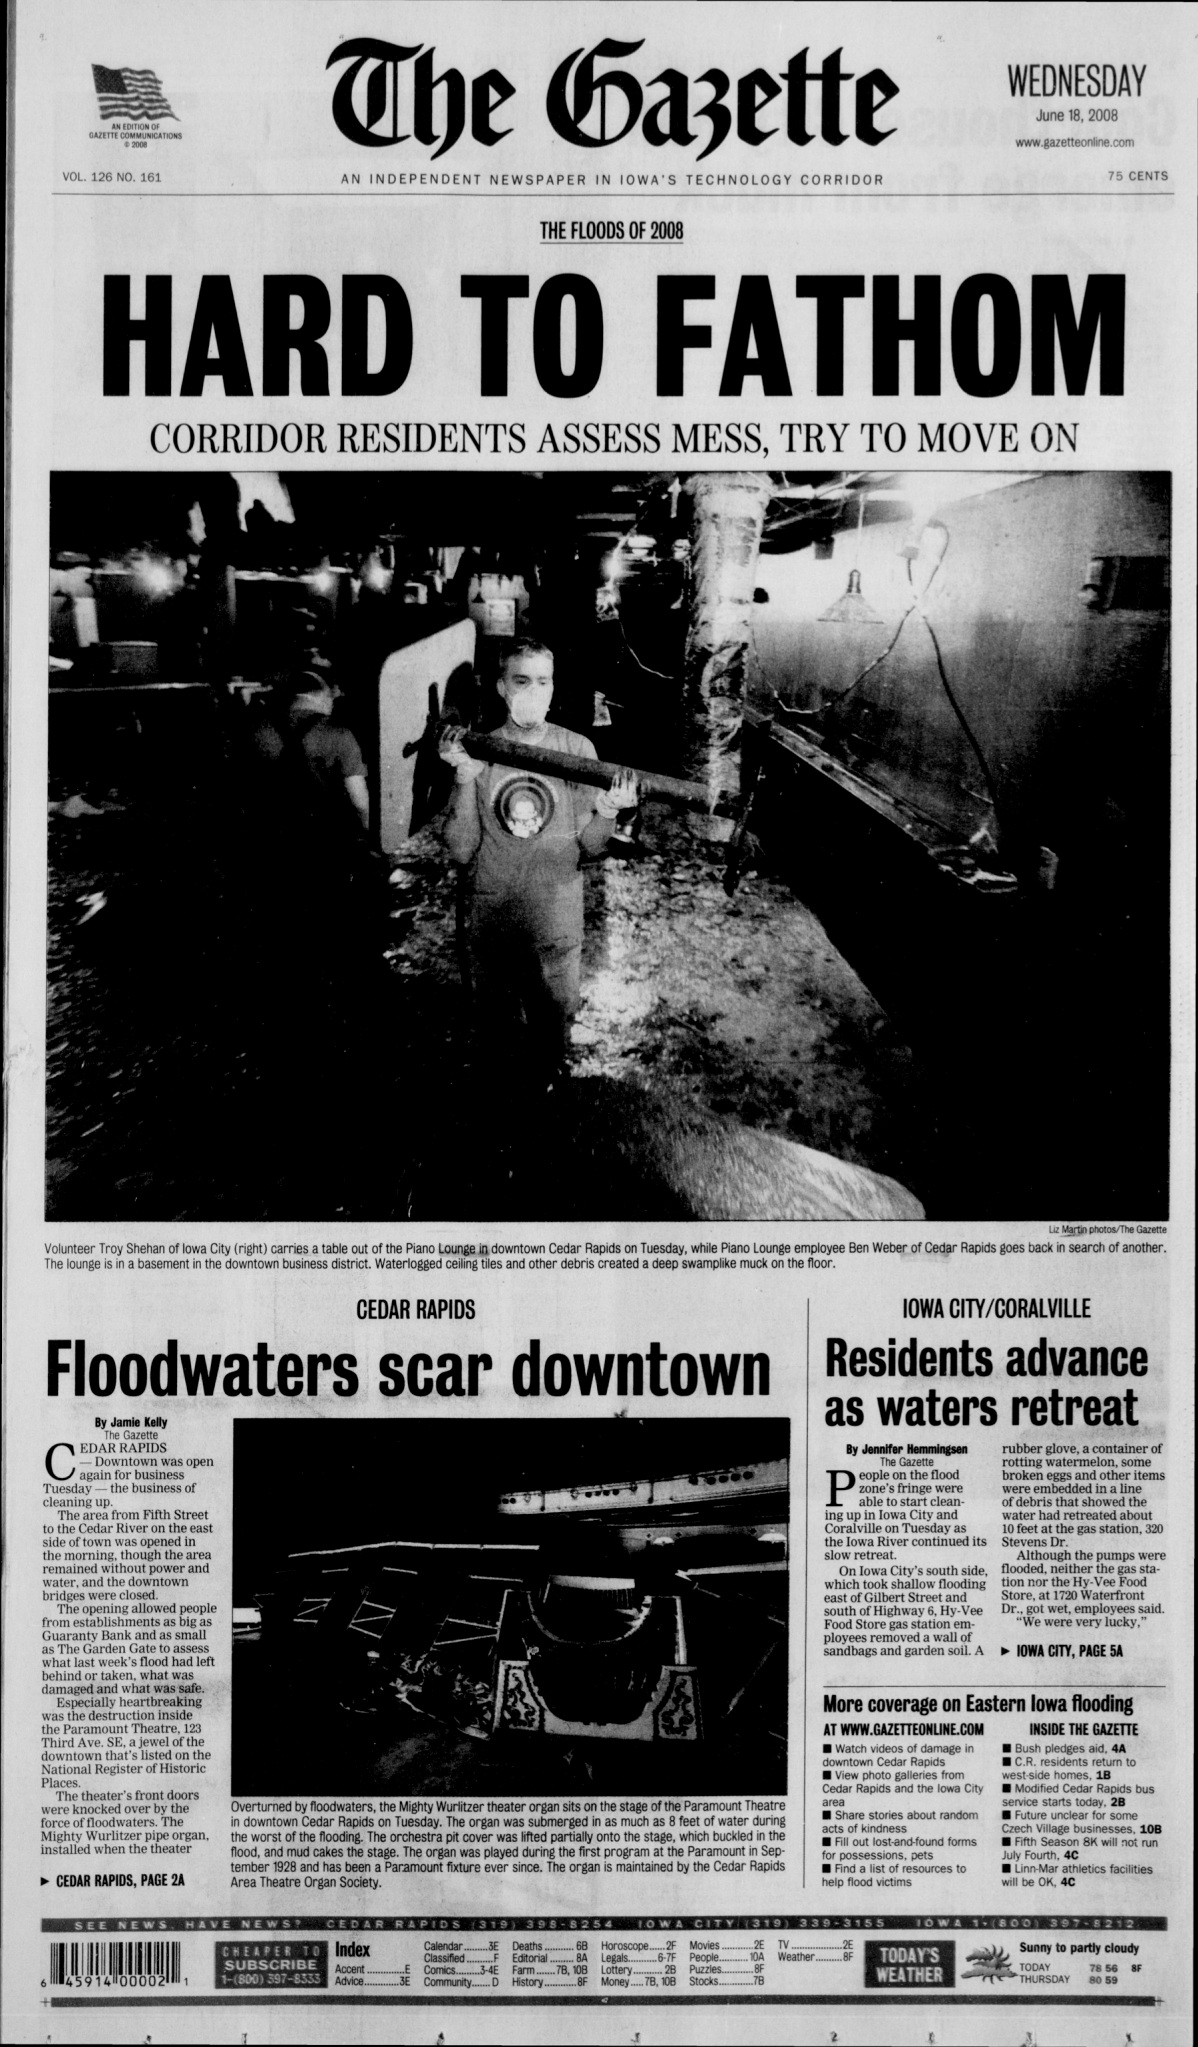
(137, 95)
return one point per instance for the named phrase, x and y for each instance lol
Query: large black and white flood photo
(513, 1608)
(602, 845)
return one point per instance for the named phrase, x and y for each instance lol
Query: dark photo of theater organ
(510, 1608)
(608, 846)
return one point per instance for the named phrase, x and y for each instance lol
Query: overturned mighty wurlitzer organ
(642, 1609)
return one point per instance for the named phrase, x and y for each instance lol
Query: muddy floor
(740, 1004)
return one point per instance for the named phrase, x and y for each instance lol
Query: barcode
(116, 1961)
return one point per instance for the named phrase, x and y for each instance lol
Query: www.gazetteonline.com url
(1075, 142)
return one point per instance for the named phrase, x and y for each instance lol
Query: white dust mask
(529, 705)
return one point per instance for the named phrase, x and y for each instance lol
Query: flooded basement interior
(904, 953)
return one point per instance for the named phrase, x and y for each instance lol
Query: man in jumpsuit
(520, 837)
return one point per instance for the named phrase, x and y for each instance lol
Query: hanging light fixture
(852, 608)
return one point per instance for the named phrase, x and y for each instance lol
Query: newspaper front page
(599, 1023)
